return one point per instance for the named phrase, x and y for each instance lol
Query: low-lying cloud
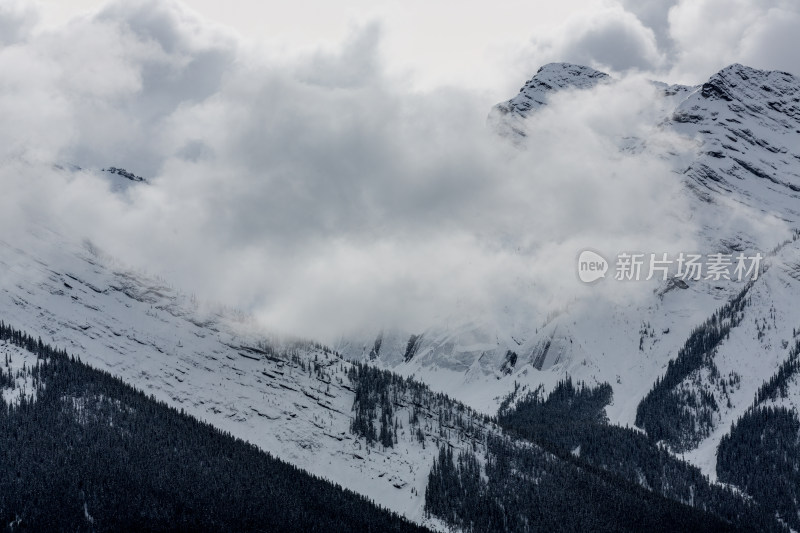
(320, 195)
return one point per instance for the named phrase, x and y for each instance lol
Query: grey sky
(490, 45)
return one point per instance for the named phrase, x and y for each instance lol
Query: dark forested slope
(90, 453)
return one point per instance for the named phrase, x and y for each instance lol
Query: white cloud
(604, 36)
(320, 193)
(17, 19)
(771, 39)
(711, 34)
(679, 41)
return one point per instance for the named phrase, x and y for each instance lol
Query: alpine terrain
(129, 403)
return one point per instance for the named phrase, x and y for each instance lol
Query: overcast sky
(494, 45)
(329, 168)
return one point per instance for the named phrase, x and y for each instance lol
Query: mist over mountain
(323, 203)
(303, 280)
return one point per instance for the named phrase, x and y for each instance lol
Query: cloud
(711, 34)
(605, 37)
(119, 74)
(17, 19)
(356, 64)
(654, 14)
(700, 37)
(678, 41)
(319, 193)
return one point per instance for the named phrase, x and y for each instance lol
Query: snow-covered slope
(291, 398)
(745, 126)
(15, 361)
(508, 118)
(295, 399)
(748, 124)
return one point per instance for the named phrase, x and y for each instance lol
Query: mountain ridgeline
(599, 405)
(91, 453)
(522, 473)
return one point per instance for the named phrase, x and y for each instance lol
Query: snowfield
(291, 398)
(294, 399)
(743, 179)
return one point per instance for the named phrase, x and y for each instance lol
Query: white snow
(743, 186)
(210, 365)
(15, 360)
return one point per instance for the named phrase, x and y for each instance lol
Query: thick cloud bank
(682, 40)
(317, 193)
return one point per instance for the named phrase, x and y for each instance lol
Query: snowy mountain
(85, 451)
(508, 118)
(289, 397)
(686, 361)
(390, 439)
(744, 125)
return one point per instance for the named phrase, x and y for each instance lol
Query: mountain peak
(506, 117)
(746, 71)
(551, 78)
(568, 71)
(741, 83)
(124, 173)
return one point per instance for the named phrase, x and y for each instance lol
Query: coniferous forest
(761, 454)
(93, 454)
(570, 423)
(90, 453)
(683, 417)
(560, 467)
